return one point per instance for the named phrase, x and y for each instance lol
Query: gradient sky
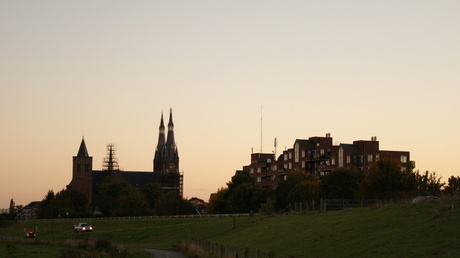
(107, 69)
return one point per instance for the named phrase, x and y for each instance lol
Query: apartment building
(319, 156)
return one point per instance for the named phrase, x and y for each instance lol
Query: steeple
(82, 152)
(171, 149)
(170, 124)
(82, 175)
(160, 149)
(166, 157)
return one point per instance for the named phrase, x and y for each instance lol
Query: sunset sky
(106, 70)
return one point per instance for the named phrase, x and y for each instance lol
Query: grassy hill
(402, 230)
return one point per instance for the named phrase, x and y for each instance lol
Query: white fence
(341, 204)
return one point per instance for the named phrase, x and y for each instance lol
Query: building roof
(349, 148)
(82, 152)
(304, 143)
(135, 178)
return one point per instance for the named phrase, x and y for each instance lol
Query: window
(377, 157)
(259, 179)
(303, 153)
(259, 170)
(290, 155)
(403, 159)
(348, 159)
(321, 152)
(332, 161)
(78, 167)
(290, 165)
(251, 171)
(285, 156)
(369, 157)
(303, 164)
(296, 152)
(275, 167)
(86, 167)
(340, 157)
(361, 159)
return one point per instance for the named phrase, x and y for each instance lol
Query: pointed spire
(162, 124)
(170, 124)
(171, 149)
(82, 152)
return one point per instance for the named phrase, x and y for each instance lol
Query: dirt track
(164, 254)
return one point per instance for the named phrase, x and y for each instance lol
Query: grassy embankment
(403, 230)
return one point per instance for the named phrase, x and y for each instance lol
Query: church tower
(160, 149)
(166, 161)
(82, 174)
(166, 154)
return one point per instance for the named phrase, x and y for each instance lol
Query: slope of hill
(424, 229)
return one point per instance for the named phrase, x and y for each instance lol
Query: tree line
(115, 199)
(386, 181)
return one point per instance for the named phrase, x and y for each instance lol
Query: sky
(237, 74)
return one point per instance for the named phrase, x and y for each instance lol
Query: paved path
(164, 254)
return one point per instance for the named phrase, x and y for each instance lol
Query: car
(31, 234)
(419, 199)
(83, 227)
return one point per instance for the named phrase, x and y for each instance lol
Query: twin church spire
(166, 154)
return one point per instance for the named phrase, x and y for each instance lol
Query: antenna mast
(261, 130)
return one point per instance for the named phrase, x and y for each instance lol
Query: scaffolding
(171, 181)
(110, 163)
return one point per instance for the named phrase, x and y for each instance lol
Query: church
(165, 171)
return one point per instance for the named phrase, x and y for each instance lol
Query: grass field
(400, 230)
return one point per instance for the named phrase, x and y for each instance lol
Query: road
(164, 254)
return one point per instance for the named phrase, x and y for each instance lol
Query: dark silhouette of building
(165, 172)
(319, 156)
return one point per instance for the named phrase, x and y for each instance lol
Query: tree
(47, 208)
(217, 202)
(305, 191)
(245, 197)
(131, 204)
(173, 204)
(283, 189)
(429, 184)
(386, 180)
(453, 185)
(108, 194)
(152, 192)
(343, 183)
(12, 208)
(241, 195)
